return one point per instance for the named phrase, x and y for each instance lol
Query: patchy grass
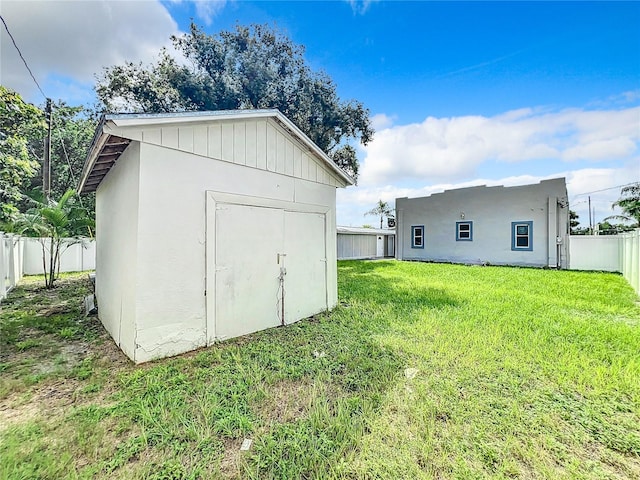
(517, 373)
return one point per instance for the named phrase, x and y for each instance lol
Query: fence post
(12, 262)
(3, 267)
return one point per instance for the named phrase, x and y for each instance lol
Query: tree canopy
(19, 123)
(246, 68)
(22, 132)
(71, 135)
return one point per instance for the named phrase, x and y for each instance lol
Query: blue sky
(461, 93)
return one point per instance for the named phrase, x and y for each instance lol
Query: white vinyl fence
(611, 253)
(11, 262)
(23, 256)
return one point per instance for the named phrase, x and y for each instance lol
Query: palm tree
(629, 203)
(383, 209)
(54, 223)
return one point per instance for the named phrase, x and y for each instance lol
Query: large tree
(19, 123)
(246, 68)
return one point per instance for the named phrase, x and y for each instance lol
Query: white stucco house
(523, 225)
(203, 220)
(355, 243)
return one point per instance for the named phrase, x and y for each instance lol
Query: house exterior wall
(117, 281)
(492, 211)
(171, 255)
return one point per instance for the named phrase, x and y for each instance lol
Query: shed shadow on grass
(369, 280)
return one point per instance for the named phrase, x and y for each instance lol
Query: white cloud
(208, 9)
(75, 39)
(360, 7)
(381, 121)
(451, 149)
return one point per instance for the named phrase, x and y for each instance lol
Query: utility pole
(46, 163)
(590, 222)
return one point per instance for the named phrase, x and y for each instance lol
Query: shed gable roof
(263, 139)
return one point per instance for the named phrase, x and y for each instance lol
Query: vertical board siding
(239, 143)
(200, 140)
(215, 141)
(356, 246)
(254, 143)
(185, 139)
(170, 137)
(288, 166)
(280, 153)
(297, 162)
(251, 144)
(261, 145)
(272, 151)
(152, 135)
(227, 142)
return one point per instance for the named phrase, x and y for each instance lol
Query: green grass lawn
(422, 371)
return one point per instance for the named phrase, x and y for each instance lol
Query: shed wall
(117, 203)
(492, 210)
(356, 246)
(171, 302)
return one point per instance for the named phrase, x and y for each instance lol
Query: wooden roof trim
(104, 152)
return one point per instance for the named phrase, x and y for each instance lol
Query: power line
(23, 60)
(604, 189)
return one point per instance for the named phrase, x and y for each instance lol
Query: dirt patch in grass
(45, 400)
(286, 401)
(230, 463)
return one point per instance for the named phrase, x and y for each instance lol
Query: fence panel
(23, 256)
(615, 253)
(11, 262)
(76, 256)
(630, 258)
(594, 252)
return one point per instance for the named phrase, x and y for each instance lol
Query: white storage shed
(209, 225)
(355, 243)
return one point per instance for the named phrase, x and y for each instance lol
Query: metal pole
(46, 164)
(590, 222)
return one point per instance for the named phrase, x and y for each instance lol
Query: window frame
(413, 236)
(458, 237)
(515, 236)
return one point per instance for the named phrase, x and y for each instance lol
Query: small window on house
(417, 236)
(464, 231)
(522, 236)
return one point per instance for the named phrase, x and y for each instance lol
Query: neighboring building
(204, 220)
(524, 225)
(359, 243)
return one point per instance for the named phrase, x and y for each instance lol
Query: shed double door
(253, 245)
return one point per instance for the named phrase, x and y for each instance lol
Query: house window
(464, 231)
(522, 236)
(417, 236)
